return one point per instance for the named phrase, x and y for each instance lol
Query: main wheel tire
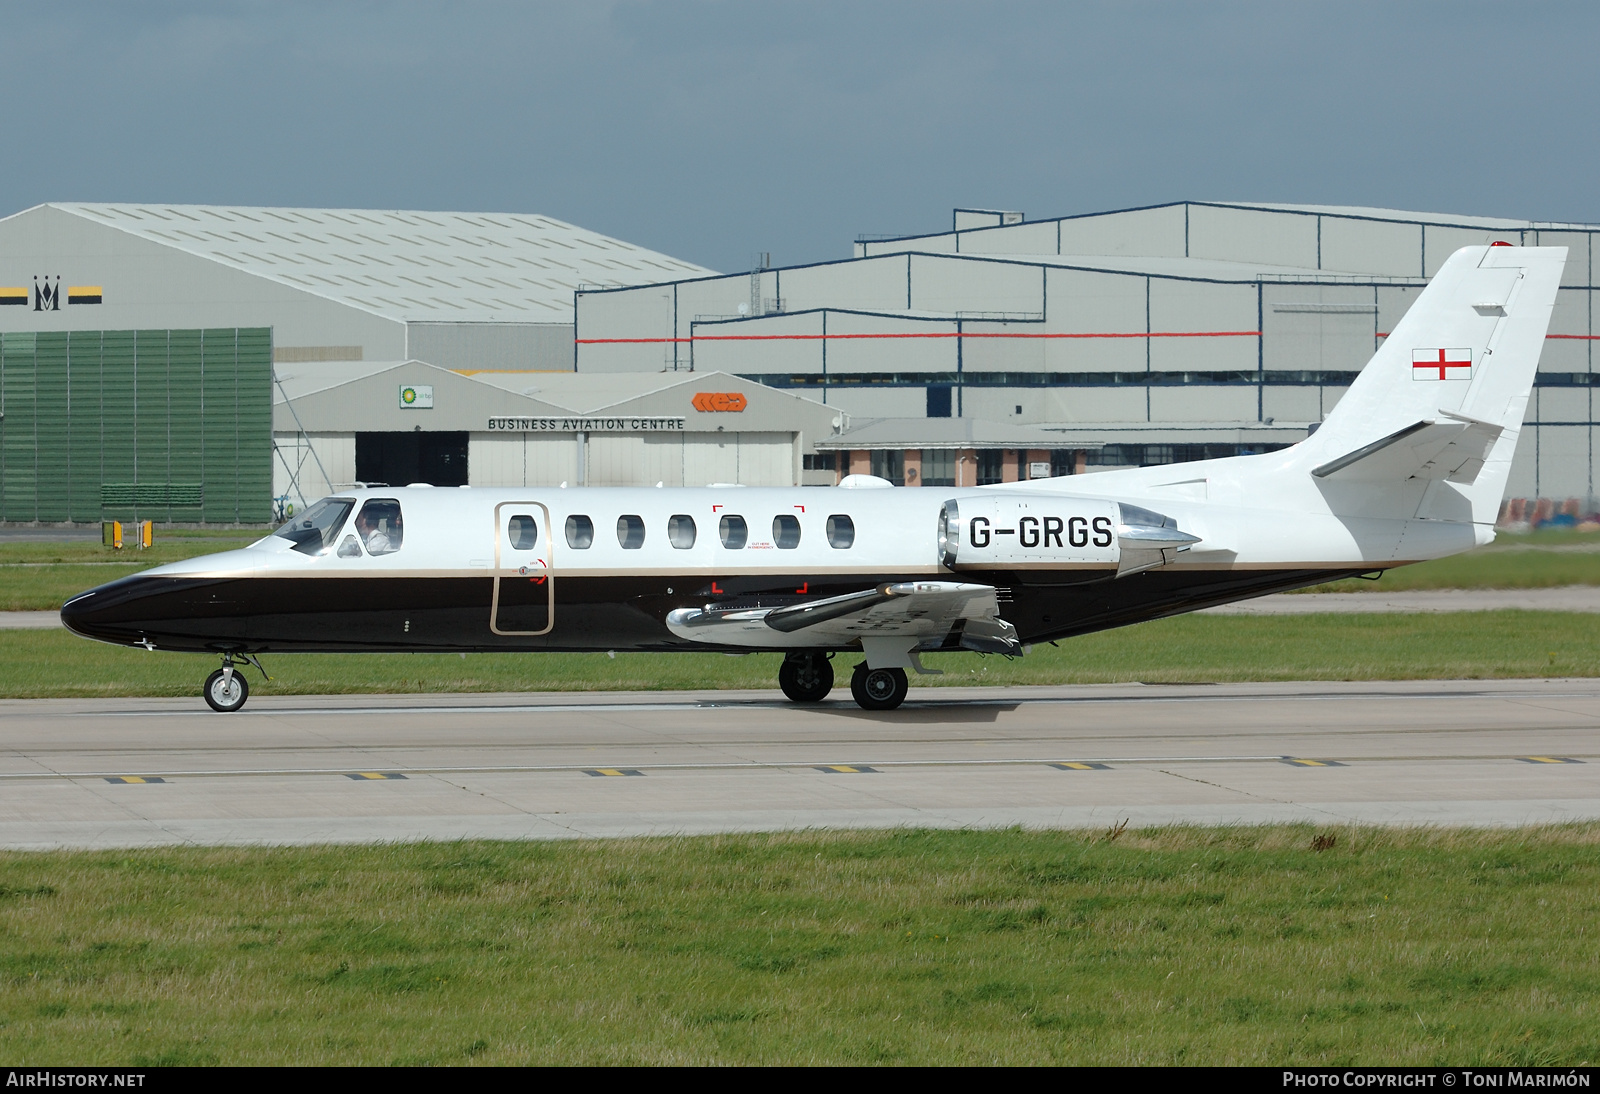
(226, 697)
(806, 679)
(878, 689)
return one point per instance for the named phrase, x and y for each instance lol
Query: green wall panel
(136, 425)
(50, 425)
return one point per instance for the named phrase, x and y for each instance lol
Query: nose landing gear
(226, 690)
(806, 677)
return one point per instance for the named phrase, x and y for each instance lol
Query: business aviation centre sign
(586, 425)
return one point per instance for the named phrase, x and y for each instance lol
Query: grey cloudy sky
(713, 130)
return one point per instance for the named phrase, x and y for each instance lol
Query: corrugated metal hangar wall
(1188, 318)
(164, 425)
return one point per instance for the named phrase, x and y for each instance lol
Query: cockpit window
(313, 531)
(380, 526)
(523, 531)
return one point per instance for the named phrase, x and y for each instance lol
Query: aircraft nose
(84, 614)
(112, 612)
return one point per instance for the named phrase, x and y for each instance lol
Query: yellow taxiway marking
(1074, 765)
(848, 769)
(618, 772)
(378, 775)
(1548, 760)
(131, 779)
(1292, 762)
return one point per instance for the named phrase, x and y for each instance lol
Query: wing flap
(926, 611)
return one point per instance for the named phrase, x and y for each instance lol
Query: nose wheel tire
(226, 695)
(806, 678)
(878, 689)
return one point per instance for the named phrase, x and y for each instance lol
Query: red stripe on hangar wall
(913, 334)
(1575, 337)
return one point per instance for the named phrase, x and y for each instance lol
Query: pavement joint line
(775, 765)
(917, 704)
(727, 766)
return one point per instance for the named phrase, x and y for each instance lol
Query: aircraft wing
(935, 613)
(1452, 449)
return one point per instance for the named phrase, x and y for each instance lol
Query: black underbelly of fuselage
(453, 614)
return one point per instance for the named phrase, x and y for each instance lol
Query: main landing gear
(878, 689)
(806, 677)
(226, 689)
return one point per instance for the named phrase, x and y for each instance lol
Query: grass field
(1176, 946)
(1539, 560)
(39, 576)
(1193, 648)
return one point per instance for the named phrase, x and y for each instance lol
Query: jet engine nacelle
(1023, 531)
(1027, 530)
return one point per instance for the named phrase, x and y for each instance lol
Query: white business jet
(1411, 465)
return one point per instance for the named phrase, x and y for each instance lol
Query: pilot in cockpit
(380, 527)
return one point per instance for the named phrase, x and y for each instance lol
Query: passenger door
(524, 580)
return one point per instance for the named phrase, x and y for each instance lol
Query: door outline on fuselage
(547, 557)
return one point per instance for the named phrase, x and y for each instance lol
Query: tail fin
(1440, 404)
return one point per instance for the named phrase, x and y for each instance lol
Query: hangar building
(152, 359)
(1169, 333)
(417, 422)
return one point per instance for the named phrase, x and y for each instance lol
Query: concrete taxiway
(123, 773)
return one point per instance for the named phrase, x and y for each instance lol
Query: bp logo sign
(416, 397)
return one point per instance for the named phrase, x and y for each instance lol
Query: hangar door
(400, 459)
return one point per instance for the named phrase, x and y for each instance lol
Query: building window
(891, 466)
(580, 533)
(630, 532)
(1063, 461)
(819, 461)
(1151, 455)
(785, 532)
(681, 531)
(939, 401)
(991, 464)
(841, 532)
(938, 467)
(733, 532)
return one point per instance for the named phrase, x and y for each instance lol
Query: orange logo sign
(708, 402)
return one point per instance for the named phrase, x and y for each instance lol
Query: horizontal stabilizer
(1452, 447)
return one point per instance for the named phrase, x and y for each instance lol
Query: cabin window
(380, 527)
(733, 531)
(314, 530)
(785, 532)
(680, 531)
(841, 532)
(630, 532)
(580, 533)
(523, 532)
